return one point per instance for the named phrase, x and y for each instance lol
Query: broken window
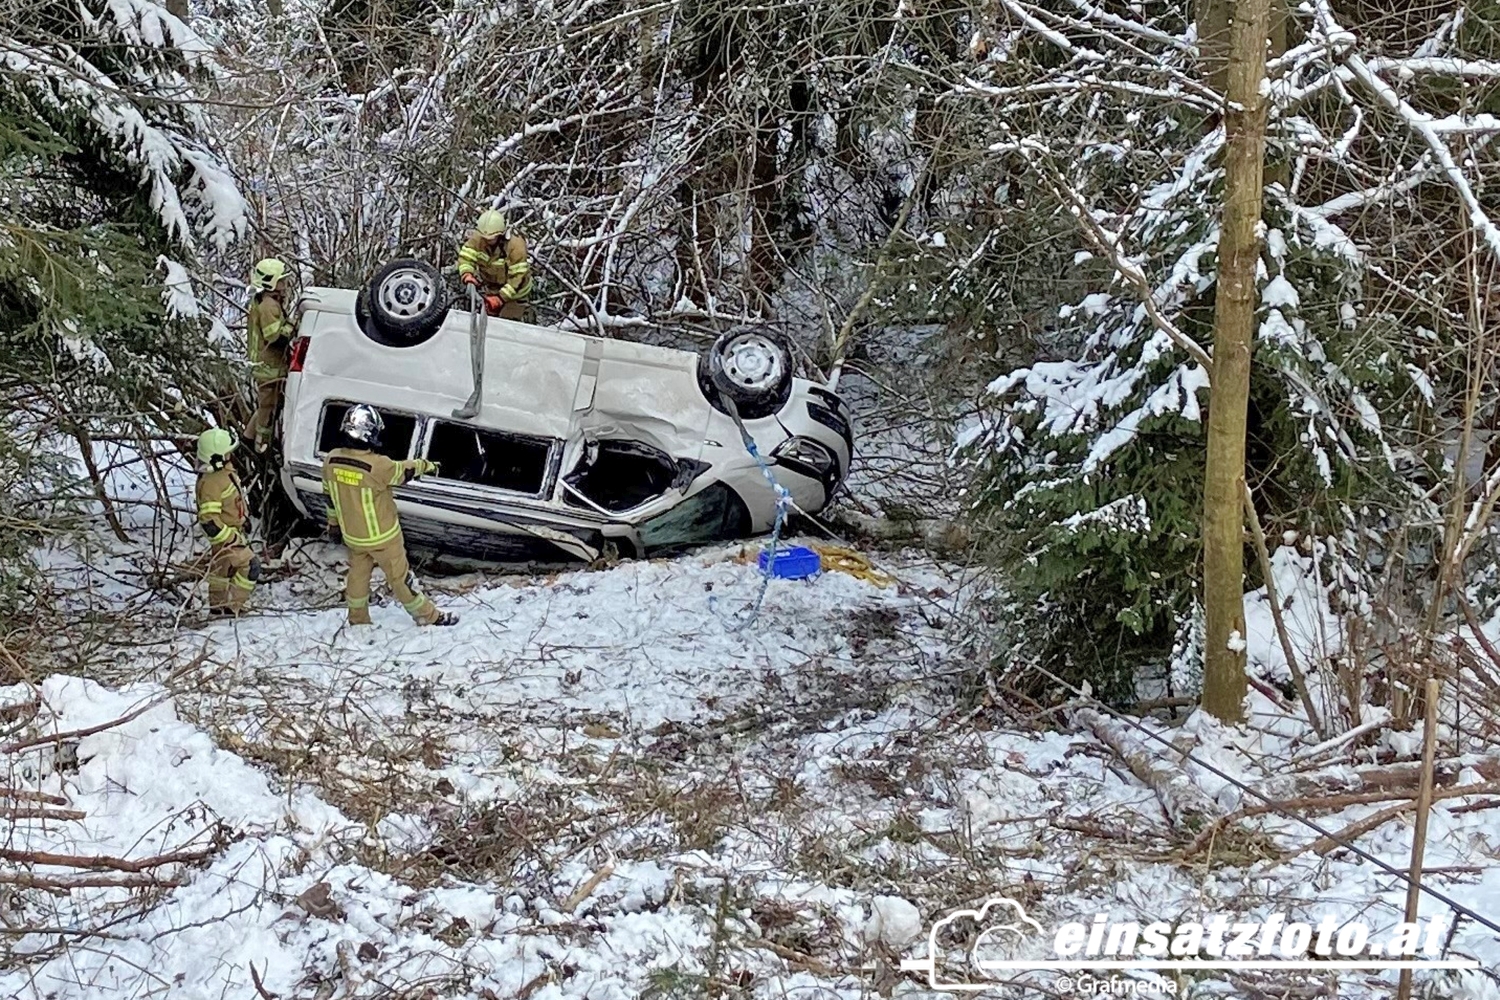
(486, 458)
(715, 515)
(394, 443)
(620, 475)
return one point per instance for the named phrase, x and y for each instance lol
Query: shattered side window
(715, 515)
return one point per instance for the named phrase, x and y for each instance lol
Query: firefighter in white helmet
(358, 482)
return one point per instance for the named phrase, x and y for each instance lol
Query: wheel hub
(406, 293)
(752, 362)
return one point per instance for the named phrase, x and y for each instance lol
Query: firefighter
(232, 567)
(363, 511)
(494, 261)
(270, 330)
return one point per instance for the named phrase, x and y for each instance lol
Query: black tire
(403, 305)
(753, 367)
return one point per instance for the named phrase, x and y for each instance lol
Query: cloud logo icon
(1000, 926)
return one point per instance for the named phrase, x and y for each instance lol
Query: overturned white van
(549, 436)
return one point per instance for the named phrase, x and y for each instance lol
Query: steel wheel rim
(406, 294)
(752, 361)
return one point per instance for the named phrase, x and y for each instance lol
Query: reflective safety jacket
(505, 272)
(221, 506)
(270, 334)
(358, 484)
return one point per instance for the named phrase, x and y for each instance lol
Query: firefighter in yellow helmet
(494, 260)
(232, 567)
(358, 483)
(270, 330)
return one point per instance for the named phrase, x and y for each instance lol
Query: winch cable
(1273, 805)
(746, 616)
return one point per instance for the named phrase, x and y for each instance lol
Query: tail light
(299, 353)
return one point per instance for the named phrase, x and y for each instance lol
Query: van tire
(753, 367)
(403, 305)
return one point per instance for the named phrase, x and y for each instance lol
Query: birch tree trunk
(1234, 330)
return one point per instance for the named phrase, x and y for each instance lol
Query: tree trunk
(1236, 297)
(1211, 18)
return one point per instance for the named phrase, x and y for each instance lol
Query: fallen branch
(1358, 829)
(260, 987)
(584, 891)
(40, 812)
(65, 884)
(1185, 804)
(1347, 736)
(533, 984)
(1401, 778)
(25, 795)
(99, 862)
(1322, 803)
(78, 734)
(796, 958)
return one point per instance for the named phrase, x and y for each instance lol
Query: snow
(637, 757)
(1280, 294)
(895, 922)
(177, 290)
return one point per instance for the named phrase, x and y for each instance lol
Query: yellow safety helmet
(214, 445)
(491, 224)
(267, 274)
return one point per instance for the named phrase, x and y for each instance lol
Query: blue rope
(747, 616)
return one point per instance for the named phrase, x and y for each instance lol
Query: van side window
(486, 458)
(395, 443)
(715, 515)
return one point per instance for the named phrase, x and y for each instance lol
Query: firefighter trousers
(391, 558)
(267, 399)
(232, 572)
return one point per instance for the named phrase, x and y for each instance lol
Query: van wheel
(406, 303)
(752, 367)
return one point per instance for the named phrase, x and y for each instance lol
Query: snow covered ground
(596, 787)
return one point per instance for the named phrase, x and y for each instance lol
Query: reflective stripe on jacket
(270, 332)
(221, 505)
(506, 272)
(358, 484)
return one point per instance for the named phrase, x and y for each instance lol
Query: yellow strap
(210, 507)
(218, 581)
(508, 292)
(223, 536)
(243, 582)
(357, 602)
(467, 252)
(521, 268)
(229, 491)
(415, 604)
(840, 559)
